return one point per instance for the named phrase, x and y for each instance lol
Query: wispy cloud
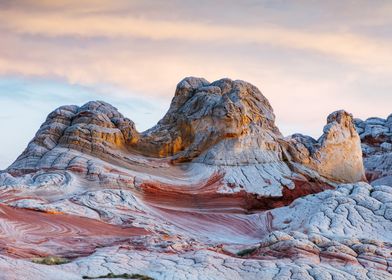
(308, 57)
(350, 47)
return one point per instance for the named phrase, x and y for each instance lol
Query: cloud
(346, 46)
(93, 44)
(309, 58)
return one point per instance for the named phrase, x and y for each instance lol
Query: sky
(309, 58)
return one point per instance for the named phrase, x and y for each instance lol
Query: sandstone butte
(213, 191)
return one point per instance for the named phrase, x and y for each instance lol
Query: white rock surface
(213, 191)
(376, 138)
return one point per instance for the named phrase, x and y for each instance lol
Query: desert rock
(213, 191)
(376, 138)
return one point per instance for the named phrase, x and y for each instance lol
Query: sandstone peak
(336, 155)
(203, 114)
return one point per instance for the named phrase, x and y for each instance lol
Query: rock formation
(213, 191)
(337, 154)
(225, 129)
(376, 138)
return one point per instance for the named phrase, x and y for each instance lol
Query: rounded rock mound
(224, 129)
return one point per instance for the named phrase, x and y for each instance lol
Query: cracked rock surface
(213, 191)
(376, 138)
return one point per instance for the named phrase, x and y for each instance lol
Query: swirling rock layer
(213, 191)
(26, 233)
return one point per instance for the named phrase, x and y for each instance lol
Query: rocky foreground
(213, 191)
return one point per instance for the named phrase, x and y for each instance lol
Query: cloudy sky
(309, 58)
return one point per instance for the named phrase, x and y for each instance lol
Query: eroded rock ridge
(213, 191)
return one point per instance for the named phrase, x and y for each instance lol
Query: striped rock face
(213, 191)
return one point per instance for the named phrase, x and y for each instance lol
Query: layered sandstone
(337, 155)
(213, 191)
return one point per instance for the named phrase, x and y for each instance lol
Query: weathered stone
(376, 137)
(213, 191)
